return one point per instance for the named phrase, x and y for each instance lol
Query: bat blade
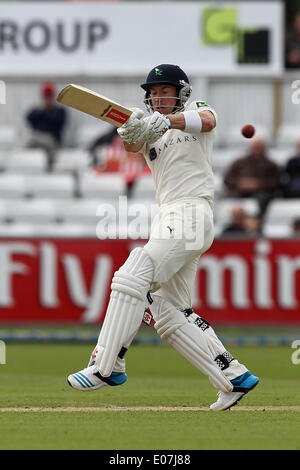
(94, 104)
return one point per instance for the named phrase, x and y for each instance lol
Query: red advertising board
(68, 281)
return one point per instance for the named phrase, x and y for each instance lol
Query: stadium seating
(282, 213)
(30, 230)
(67, 230)
(88, 133)
(288, 134)
(144, 188)
(71, 160)
(30, 211)
(12, 186)
(223, 157)
(85, 211)
(50, 186)
(19, 230)
(8, 137)
(281, 155)
(277, 231)
(2, 159)
(4, 211)
(234, 138)
(102, 185)
(26, 161)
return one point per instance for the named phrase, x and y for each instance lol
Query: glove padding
(149, 129)
(133, 127)
(155, 127)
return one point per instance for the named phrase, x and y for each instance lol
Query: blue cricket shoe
(241, 385)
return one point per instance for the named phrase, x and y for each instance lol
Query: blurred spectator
(254, 175)
(292, 45)
(243, 223)
(109, 155)
(296, 227)
(291, 175)
(47, 123)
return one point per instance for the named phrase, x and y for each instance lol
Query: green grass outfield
(163, 405)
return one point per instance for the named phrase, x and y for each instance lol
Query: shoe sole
(245, 393)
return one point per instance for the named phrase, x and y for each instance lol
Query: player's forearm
(133, 148)
(177, 121)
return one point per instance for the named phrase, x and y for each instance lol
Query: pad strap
(198, 321)
(223, 360)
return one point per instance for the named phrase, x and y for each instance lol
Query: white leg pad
(189, 340)
(125, 311)
(216, 349)
(187, 343)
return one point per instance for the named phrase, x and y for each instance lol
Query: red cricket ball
(248, 131)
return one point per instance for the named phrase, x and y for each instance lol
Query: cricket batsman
(176, 140)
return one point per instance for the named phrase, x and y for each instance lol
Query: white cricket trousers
(180, 233)
(175, 266)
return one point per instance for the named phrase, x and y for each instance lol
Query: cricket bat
(92, 103)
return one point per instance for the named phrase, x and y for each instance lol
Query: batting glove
(131, 130)
(155, 127)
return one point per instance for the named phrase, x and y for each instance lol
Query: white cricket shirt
(181, 163)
